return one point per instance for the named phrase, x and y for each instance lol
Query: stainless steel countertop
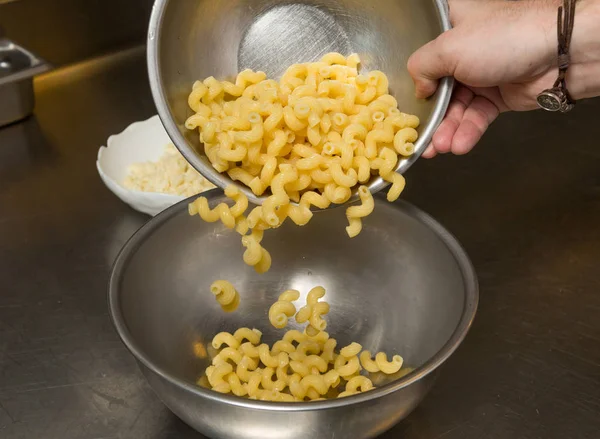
(525, 204)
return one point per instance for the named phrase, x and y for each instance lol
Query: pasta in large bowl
(403, 287)
(191, 41)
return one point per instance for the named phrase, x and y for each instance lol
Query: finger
(430, 152)
(477, 119)
(430, 63)
(461, 99)
(442, 139)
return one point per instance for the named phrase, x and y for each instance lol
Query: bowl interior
(193, 40)
(398, 287)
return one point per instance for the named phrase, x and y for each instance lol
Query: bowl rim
(442, 100)
(462, 328)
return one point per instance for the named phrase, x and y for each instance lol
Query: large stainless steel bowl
(193, 39)
(403, 286)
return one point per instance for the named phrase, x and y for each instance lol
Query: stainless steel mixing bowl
(193, 39)
(403, 286)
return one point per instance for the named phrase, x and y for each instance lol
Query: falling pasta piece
(226, 295)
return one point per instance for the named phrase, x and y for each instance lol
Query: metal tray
(17, 69)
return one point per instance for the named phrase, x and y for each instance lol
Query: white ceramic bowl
(140, 142)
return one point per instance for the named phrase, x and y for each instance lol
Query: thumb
(429, 64)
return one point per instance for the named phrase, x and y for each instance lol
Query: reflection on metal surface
(278, 38)
(83, 70)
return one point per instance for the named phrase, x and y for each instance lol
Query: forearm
(586, 33)
(583, 79)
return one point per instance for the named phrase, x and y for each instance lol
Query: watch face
(549, 101)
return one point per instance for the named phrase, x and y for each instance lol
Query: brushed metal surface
(526, 212)
(188, 41)
(417, 297)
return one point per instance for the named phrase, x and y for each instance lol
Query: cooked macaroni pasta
(313, 312)
(226, 295)
(356, 213)
(302, 366)
(283, 309)
(305, 142)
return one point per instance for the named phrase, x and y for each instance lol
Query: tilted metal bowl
(403, 286)
(191, 40)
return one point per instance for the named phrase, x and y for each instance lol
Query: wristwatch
(558, 98)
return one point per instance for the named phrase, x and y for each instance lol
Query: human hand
(503, 54)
